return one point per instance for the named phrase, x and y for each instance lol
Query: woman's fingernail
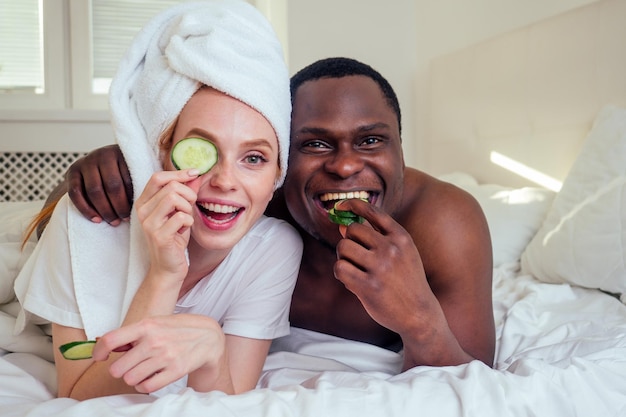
(193, 172)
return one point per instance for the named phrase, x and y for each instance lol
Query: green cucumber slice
(343, 213)
(344, 217)
(77, 350)
(344, 220)
(194, 153)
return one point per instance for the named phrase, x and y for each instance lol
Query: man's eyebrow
(373, 126)
(361, 128)
(316, 130)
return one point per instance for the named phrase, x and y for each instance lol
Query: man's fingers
(95, 195)
(115, 184)
(76, 194)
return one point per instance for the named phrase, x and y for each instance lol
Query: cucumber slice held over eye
(194, 153)
(77, 350)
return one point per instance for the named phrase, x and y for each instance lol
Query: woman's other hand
(163, 349)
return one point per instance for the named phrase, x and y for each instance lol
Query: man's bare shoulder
(428, 197)
(441, 217)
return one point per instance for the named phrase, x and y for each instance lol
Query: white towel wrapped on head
(225, 44)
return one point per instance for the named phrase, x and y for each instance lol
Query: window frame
(81, 45)
(54, 53)
(67, 46)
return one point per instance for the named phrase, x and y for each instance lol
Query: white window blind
(21, 46)
(114, 25)
(58, 55)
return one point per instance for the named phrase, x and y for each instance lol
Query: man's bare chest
(328, 307)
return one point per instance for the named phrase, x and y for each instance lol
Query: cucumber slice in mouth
(343, 217)
(77, 350)
(194, 153)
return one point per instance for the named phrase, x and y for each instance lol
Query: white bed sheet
(561, 351)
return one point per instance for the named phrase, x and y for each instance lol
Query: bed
(559, 282)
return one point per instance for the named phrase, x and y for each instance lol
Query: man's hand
(100, 186)
(379, 262)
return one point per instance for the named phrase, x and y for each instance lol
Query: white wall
(448, 25)
(399, 38)
(379, 33)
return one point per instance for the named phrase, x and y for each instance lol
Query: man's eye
(314, 147)
(314, 144)
(370, 140)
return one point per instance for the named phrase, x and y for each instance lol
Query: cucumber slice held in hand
(194, 153)
(77, 350)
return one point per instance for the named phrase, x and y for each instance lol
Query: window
(21, 54)
(111, 25)
(31, 55)
(62, 54)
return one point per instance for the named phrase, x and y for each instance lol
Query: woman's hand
(160, 350)
(165, 210)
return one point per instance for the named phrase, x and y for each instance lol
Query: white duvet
(561, 351)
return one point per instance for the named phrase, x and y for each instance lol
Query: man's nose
(344, 163)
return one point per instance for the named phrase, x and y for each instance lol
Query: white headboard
(529, 96)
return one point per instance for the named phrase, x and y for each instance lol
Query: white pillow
(14, 219)
(583, 238)
(513, 214)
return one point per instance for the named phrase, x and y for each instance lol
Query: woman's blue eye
(255, 159)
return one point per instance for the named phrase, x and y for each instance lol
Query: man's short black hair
(343, 67)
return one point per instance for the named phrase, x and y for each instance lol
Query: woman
(197, 284)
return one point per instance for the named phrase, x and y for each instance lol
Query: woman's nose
(222, 176)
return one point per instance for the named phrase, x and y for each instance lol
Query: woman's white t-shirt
(249, 293)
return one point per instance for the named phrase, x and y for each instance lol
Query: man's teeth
(344, 196)
(218, 208)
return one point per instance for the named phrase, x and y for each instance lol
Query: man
(416, 275)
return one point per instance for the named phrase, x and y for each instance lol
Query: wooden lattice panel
(28, 176)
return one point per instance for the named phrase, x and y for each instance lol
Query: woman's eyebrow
(251, 143)
(199, 132)
(256, 143)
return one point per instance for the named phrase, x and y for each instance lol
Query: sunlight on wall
(525, 171)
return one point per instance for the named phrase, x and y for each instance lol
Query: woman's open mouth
(218, 213)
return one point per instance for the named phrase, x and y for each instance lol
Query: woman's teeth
(219, 213)
(218, 208)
